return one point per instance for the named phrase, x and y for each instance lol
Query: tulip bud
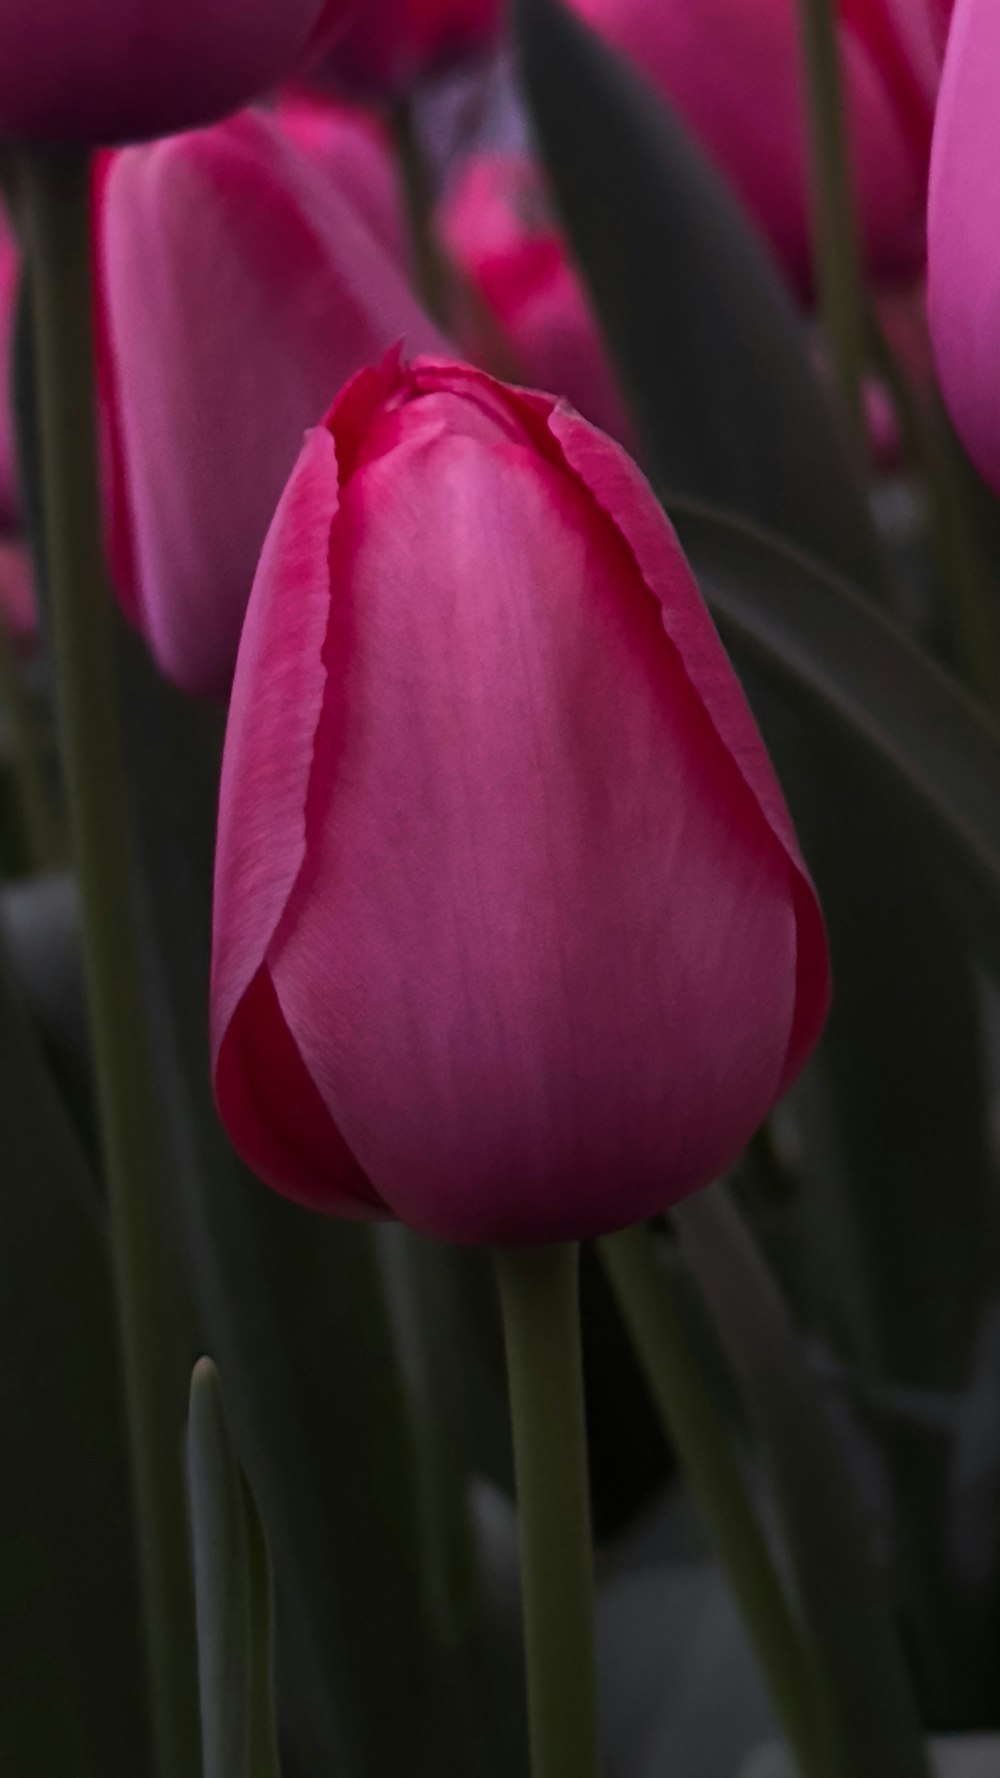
(119, 69)
(963, 265)
(734, 72)
(392, 44)
(512, 939)
(241, 287)
(499, 229)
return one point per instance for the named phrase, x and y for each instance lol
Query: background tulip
(391, 44)
(351, 148)
(10, 273)
(264, 287)
(128, 68)
(499, 229)
(512, 937)
(733, 70)
(963, 245)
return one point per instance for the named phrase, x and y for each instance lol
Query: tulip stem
(431, 270)
(959, 546)
(56, 191)
(539, 1289)
(839, 274)
(647, 1293)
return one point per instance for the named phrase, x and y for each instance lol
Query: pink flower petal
(264, 290)
(260, 1080)
(963, 290)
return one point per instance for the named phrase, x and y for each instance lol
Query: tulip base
(539, 1289)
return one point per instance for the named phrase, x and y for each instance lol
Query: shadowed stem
(431, 271)
(55, 188)
(646, 1292)
(539, 1289)
(964, 563)
(839, 274)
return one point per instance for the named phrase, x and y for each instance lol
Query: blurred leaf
(893, 778)
(442, 1346)
(39, 923)
(701, 326)
(952, 1756)
(71, 1668)
(233, 1596)
(40, 932)
(27, 439)
(851, 674)
(291, 1308)
(670, 1645)
(873, 1716)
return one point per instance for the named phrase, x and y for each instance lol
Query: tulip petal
(263, 290)
(623, 492)
(262, 1087)
(540, 960)
(963, 289)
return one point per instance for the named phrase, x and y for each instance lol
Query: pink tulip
(963, 239)
(10, 275)
(512, 937)
(392, 44)
(241, 288)
(733, 69)
(111, 70)
(499, 230)
(350, 147)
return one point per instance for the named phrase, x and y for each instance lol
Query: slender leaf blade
(232, 1595)
(710, 349)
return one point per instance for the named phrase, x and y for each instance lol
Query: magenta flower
(242, 284)
(512, 938)
(499, 229)
(118, 69)
(963, 288)
(392, 44)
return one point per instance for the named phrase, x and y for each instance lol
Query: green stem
(41, 824)
(56, 185)
(839, 273)
(965, 569)
(873, 1723)
(540, 1294)
(431, 270)
(648, 1298)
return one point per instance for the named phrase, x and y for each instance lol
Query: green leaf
(851, 674)
(874, 1725)
(291, 1307)
(893, 778)
(71, 1668)
(232, 1596)
(709, 347)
